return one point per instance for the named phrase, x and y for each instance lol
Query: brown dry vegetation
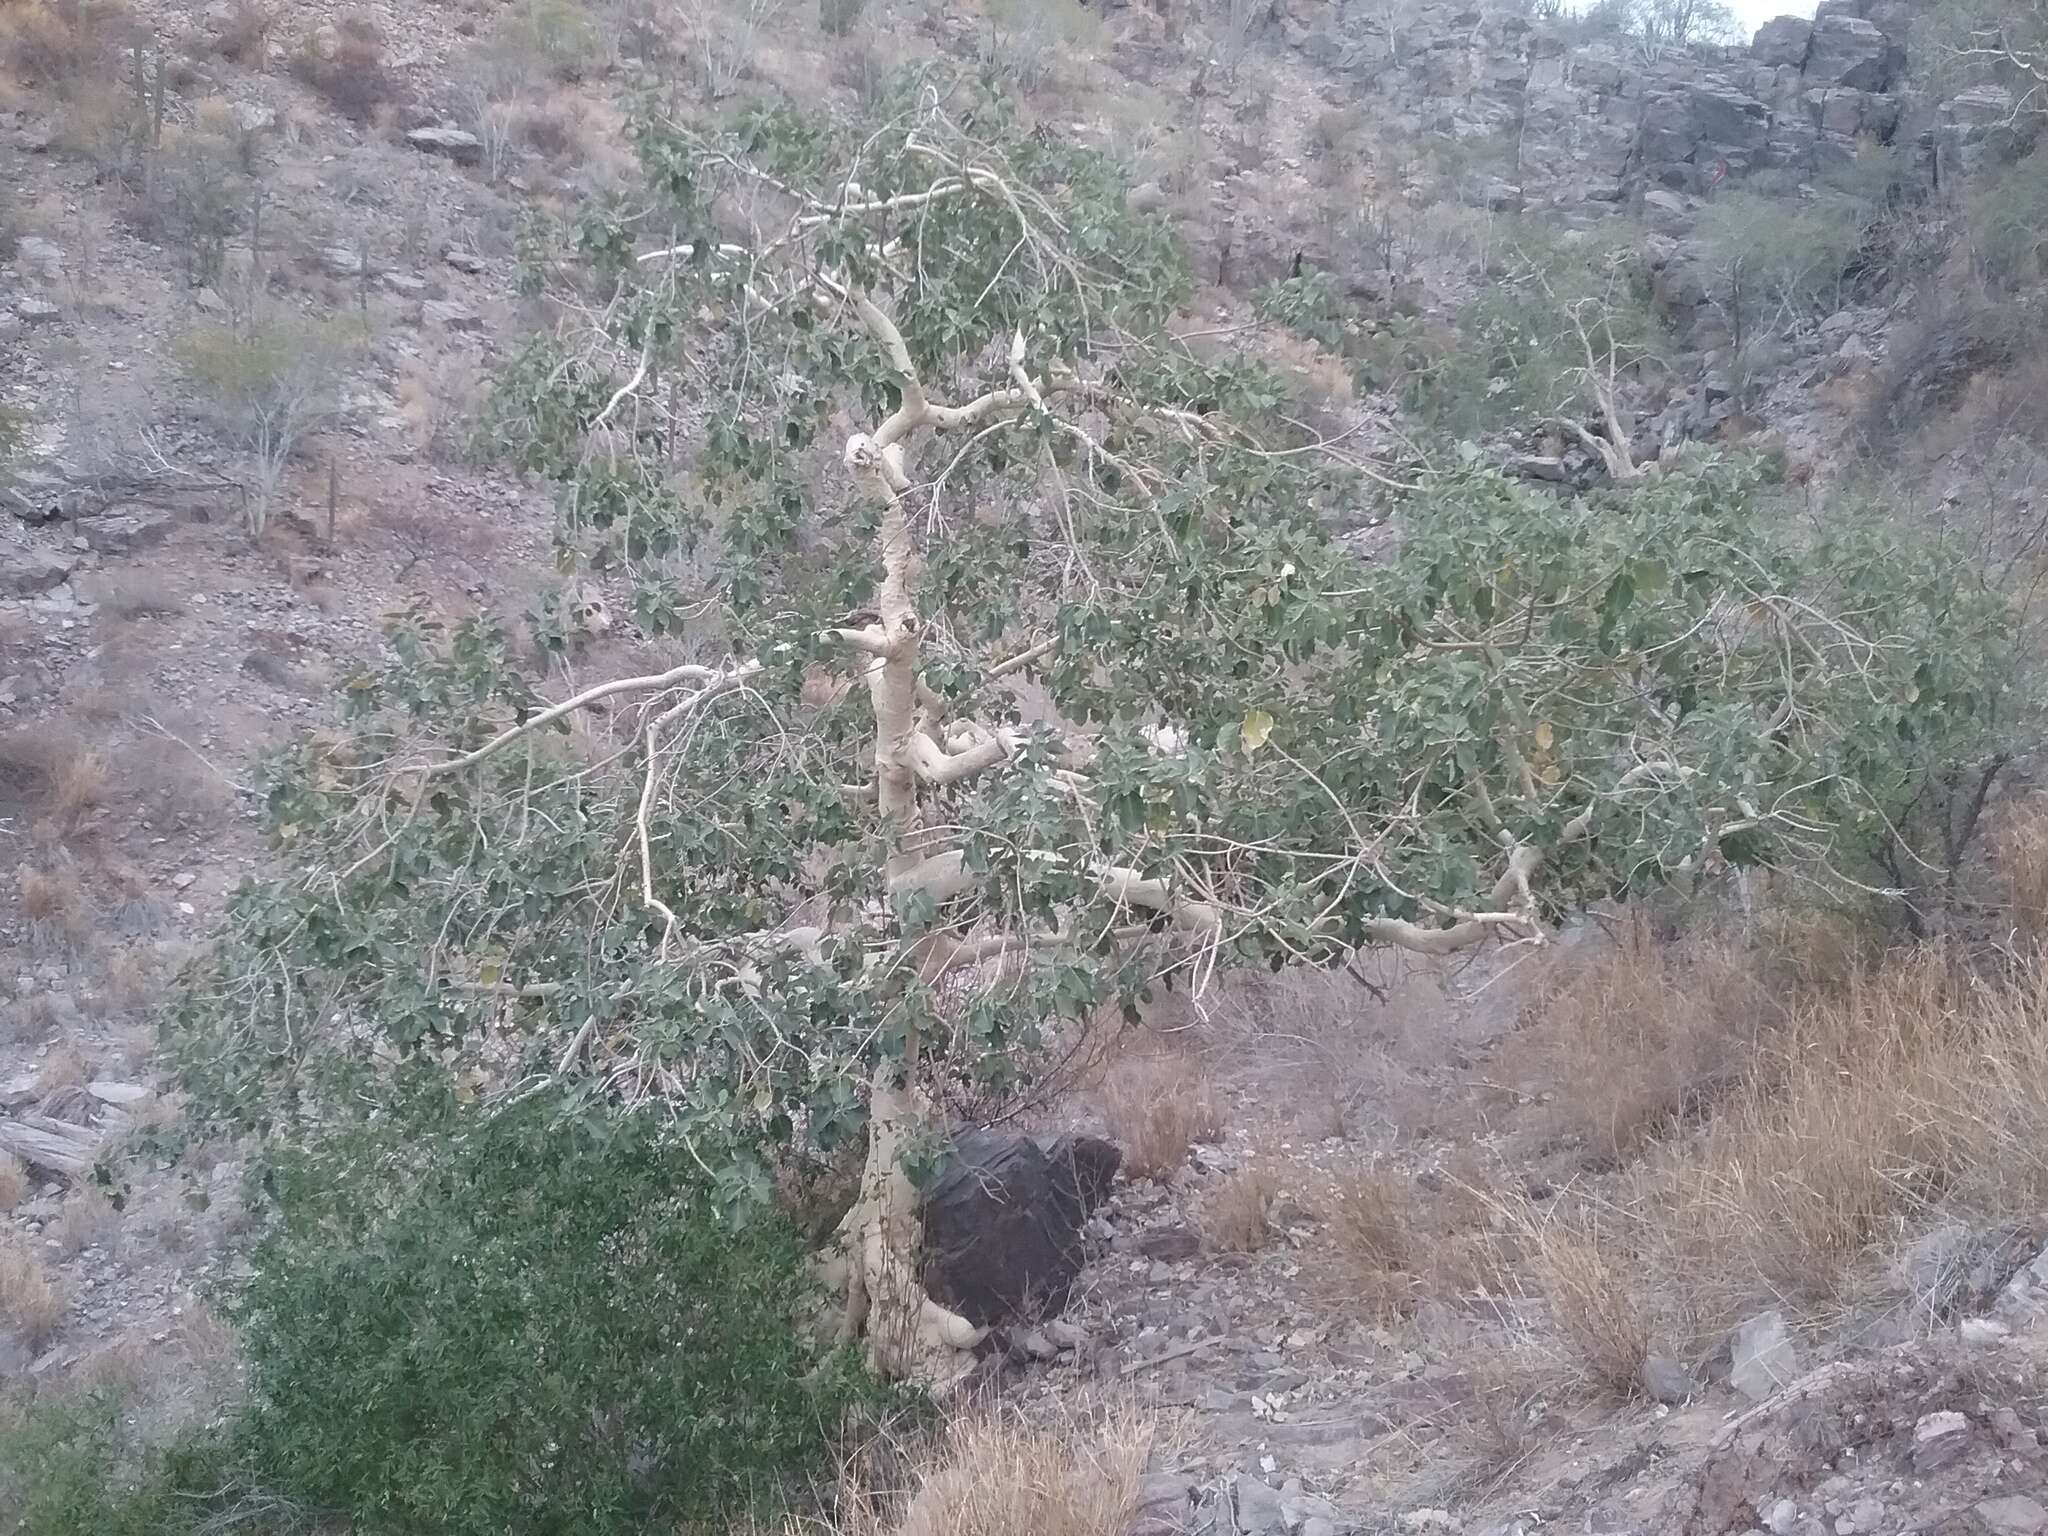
(13, 1182)
(348, 68)
(995, 1474)
(1158, 1106)
(1236, 1218)
(1388, 1246)
(88, 1219)
(31, 1306)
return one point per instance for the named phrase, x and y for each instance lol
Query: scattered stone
(1762, 1357)
(1258, 1508)
(1169, 1245)
(1938, 1439)
(183, 881)
(43, 258)
(117, 1093)
(25, 572)
(453, 317)
(2014, 1516)
(405, 284)
(122, 532)
(1539, 466)
(34, 311)
(1165, 1501)
(463, 148)
(1783, 1518)
(342, 261)
(252, 117)
(1664, 1380)
(1002, 1222)
(1983, 1330)
(463, 261)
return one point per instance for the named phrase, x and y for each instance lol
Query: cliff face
(1604, 121)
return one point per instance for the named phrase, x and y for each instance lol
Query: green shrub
(551, 1332)
(2007, 212)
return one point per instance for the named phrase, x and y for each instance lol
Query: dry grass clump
(1236, 1218)
(13, 1182)
(1390, 1246)
(1915, 1094)
(31, 1306)
(88, 1220)
(1602, 1319)
(1158, 1106)
(2019, 865)
(66, 47)
(54, 904)
(995, 1474)
(52, 778)
(1639, 1038)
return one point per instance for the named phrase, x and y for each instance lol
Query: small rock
(117, 1093)
(2014, 1516)
(405, 284)
(342, 261)
(1169, 1244)
(453, 317)
(1539, 466)
(25, 572)
(1783, 1517)
(1430, 1520)
(463, 261)
(35, 311)
(1763, 1359)
(1983, 1330)
(1258, 1508)
(253, 117)
(184, 881)
(1664, 1380)
(1035, 1344)
(43, 258)
(463, 148)
(1938, 1439)
(1866, 1515)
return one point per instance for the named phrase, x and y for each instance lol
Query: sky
(1754, 13)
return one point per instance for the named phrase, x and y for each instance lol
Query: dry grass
(1236, 1218)
(1603, 1320)
(13, 1182)
(1907, 1096)
(2018, 844)
(88, 1220)
(31, 1306)
(52, 902)
(1159, 1106)
(53, 778)
(1378, 1248)
(246, 36)
(995, 1474)
(63, 1068)
(66, 48)
(1639, 1038)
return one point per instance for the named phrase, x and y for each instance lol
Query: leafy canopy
(1167, 715)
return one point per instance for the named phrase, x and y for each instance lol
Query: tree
(2003, 43)
(882, 419)
(267, 382)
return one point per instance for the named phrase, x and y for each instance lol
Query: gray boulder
(1849, 51)
(1763, 1359)
(1782, 41)
(463, 148)
(25, 572)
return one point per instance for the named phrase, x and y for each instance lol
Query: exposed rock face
(1003, 1223)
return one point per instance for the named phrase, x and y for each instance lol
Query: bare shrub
(1236, 1218)
(245, 36)
(1159, 1106)
(556, 38)
(996, 1474)
(54, 904)
(13, 1182)
(268, 383)
(30, 1303)
(348, 68)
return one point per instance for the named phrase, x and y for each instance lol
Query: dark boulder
(1003, 1219)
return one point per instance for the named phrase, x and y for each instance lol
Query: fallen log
(53, 1144)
